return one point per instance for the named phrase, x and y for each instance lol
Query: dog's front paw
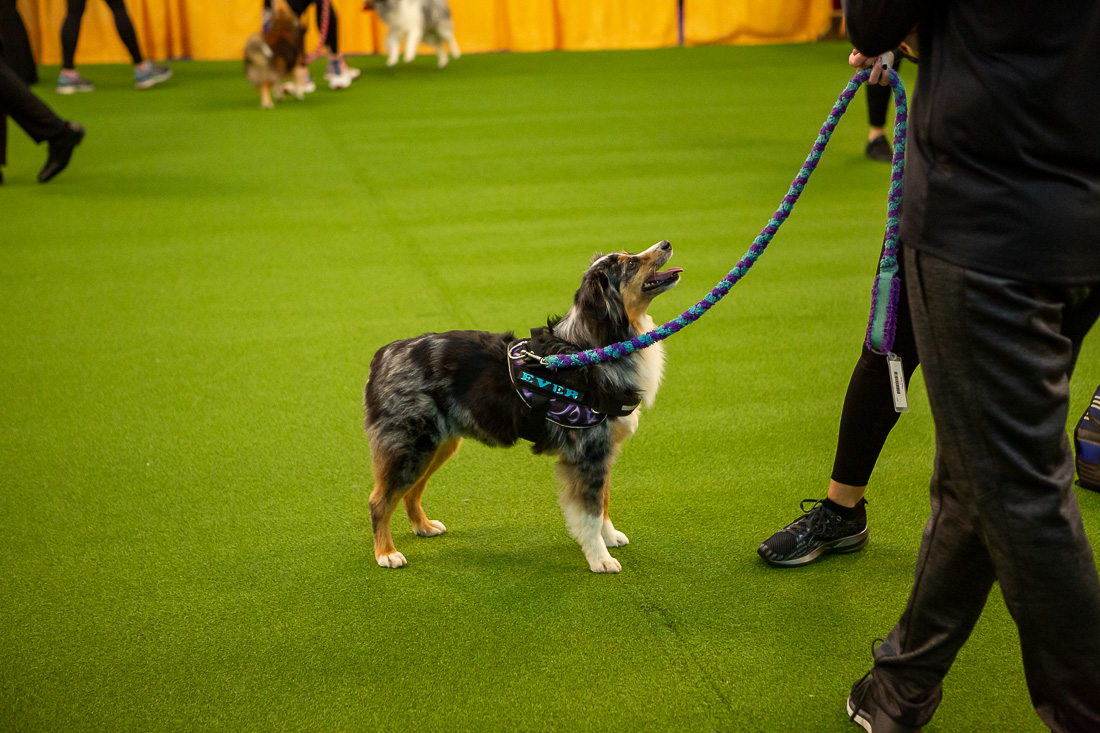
(392, 560)
(605, 565)
(615, 538)
(433, 528)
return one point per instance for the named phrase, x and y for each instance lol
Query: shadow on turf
(492, 553)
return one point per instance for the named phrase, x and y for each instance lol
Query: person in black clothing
(37, 120)
(1001, 224)
(838, 523)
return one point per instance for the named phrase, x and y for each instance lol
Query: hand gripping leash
(884, 294)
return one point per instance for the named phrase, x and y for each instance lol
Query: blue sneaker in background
(1086, 444)
(71, 82)
(147, 74)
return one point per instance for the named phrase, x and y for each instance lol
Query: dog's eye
(631, 265)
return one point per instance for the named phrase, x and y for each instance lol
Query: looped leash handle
(883, 321)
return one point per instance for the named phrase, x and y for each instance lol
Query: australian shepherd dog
(427, 393)
(277, 56)
(416, 21)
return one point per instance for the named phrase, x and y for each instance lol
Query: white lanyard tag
(897, 382)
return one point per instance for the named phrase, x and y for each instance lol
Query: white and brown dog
(427, 393)
(416, 21)
(275, 60)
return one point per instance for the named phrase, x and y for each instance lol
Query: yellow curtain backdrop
(755, 21)
(216, 29)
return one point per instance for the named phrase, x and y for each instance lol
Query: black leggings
(299, 7)
(869, 414)
(878, 99)
(70, 30)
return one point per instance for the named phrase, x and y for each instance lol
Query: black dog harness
(550, 398)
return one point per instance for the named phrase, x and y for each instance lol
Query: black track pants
(997, 356)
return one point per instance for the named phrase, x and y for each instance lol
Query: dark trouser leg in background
(17, 46)
(997, 357)
(28, 111)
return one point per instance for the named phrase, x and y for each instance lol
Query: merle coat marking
(427, 393)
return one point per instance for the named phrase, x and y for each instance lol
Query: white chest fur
(651, 365)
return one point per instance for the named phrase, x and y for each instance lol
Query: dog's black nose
(665, 245)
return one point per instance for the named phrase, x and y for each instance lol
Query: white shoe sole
(856, 717)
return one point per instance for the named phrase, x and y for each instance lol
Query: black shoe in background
(61, 151)
(879, 149)
(819, 531)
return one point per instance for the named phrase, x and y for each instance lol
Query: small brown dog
(277, 56)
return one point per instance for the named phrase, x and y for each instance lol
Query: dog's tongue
(660, 277)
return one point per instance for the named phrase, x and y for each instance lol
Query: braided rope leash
(884, 294)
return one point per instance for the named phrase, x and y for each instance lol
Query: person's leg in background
(17, 45)
(69, 81)
(879, 97)
(338, 74)
(38, 120)
(997, 358)
(838, 523)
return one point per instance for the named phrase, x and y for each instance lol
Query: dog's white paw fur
(613, 537)
(392, 560)
(435, 529)
(605, 564)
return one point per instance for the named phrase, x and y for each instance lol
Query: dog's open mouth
(668, 278)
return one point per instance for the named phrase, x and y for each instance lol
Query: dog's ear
(601, 304)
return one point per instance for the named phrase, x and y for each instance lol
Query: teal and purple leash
(884, 294)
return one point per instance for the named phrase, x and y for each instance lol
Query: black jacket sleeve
(878, 26)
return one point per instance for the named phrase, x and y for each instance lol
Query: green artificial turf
(187, 318)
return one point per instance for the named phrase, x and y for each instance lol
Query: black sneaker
(817, 532)
(865, 712)
(879, 149)
(61, 151)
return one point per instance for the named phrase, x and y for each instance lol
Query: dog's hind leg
(265, 97)
(420, 523)
(394, 475)
(441, 50)
(454, 48)
(583, 503)
(611, 536)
